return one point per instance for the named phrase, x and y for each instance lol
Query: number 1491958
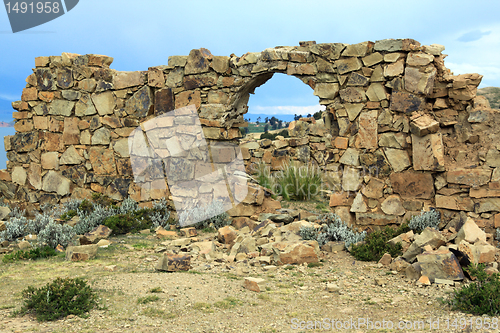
(32, 7)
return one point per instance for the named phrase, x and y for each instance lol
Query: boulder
(254, 284)
(81, 253)
(227, 235)
(299, 253)
(441, 264)
(94, 236)
(174, 262)
(429, 236)
(470, 232)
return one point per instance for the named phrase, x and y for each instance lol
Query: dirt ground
(210, 297)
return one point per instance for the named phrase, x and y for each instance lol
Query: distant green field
(253, 128)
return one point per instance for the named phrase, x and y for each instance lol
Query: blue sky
(141, 34)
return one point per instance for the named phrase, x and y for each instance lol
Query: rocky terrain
(261, 280)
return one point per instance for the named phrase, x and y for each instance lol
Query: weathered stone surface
(299, 253)
(227, 235)
(392, 205)
(71, 156)
(392, 140)
(102, 136)
(411, 184)
(95, 235)
(374, 188)
(104, 102)
(326, 90)
(198, 61)
(353, 110)
(493, 158)
(423, 125)
(85, 107)
(359, 204)
(351, 179)
(419, 59)
(488, 205)
(81, 253)
(340, 199)
(472, 177)
(330, 51)
(141, 103)
(470, 232)
(353, 95)
(367, 131)
(174, 262)
(441, 264)
(376, 92)
(389, 45)
(405, 102)
(375, 163)
(429, 236)
(373, 59)
(128, 79)
(454, 202)
(394, 69)
(102, 161)
(398, 159)
(19, 175)
(164, 101)
(60, 107)
(428, 152)
(348, 65)
(186, 98)
(54, 182)
(350, 157)
(418, 82)
(45, 79)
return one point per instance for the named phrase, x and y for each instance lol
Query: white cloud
(285, 109)
(9, 97)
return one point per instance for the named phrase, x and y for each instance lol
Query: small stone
(254, 284)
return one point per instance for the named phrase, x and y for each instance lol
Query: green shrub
(125, 223)
(68, 215)
(263, 175)
(101, 199)
(270, 136)
(32, 254)
(481, 297)
(298, 182)
(59, 299)
(376, 245)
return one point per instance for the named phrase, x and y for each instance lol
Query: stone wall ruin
(400, 132)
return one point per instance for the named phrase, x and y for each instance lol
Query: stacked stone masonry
(399, 134)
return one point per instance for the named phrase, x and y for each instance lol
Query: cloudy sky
(141, 34)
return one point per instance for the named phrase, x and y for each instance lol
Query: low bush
(32, 254)
(54, 234)
(270, 136)
(425, 219)
(210, 216)
(59, 299)
(333, 229)
(481, 297)
(375, 244)
(298, 182)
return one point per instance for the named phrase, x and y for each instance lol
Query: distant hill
(4, 124)
(492, 94)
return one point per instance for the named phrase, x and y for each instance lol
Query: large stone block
(104, 103)
(440, 264)
(367, 130)
(326, 90)
(398, 159)
(140, 103)
(428, 152)
(128, 79)
(81, 253)
(454, 202)
(472, 177)
(198, 61)
(406, 102)
(174, 262)
(411, 185)
(55, 182)
(102, 161)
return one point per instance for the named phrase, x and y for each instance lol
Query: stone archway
(390, 103)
